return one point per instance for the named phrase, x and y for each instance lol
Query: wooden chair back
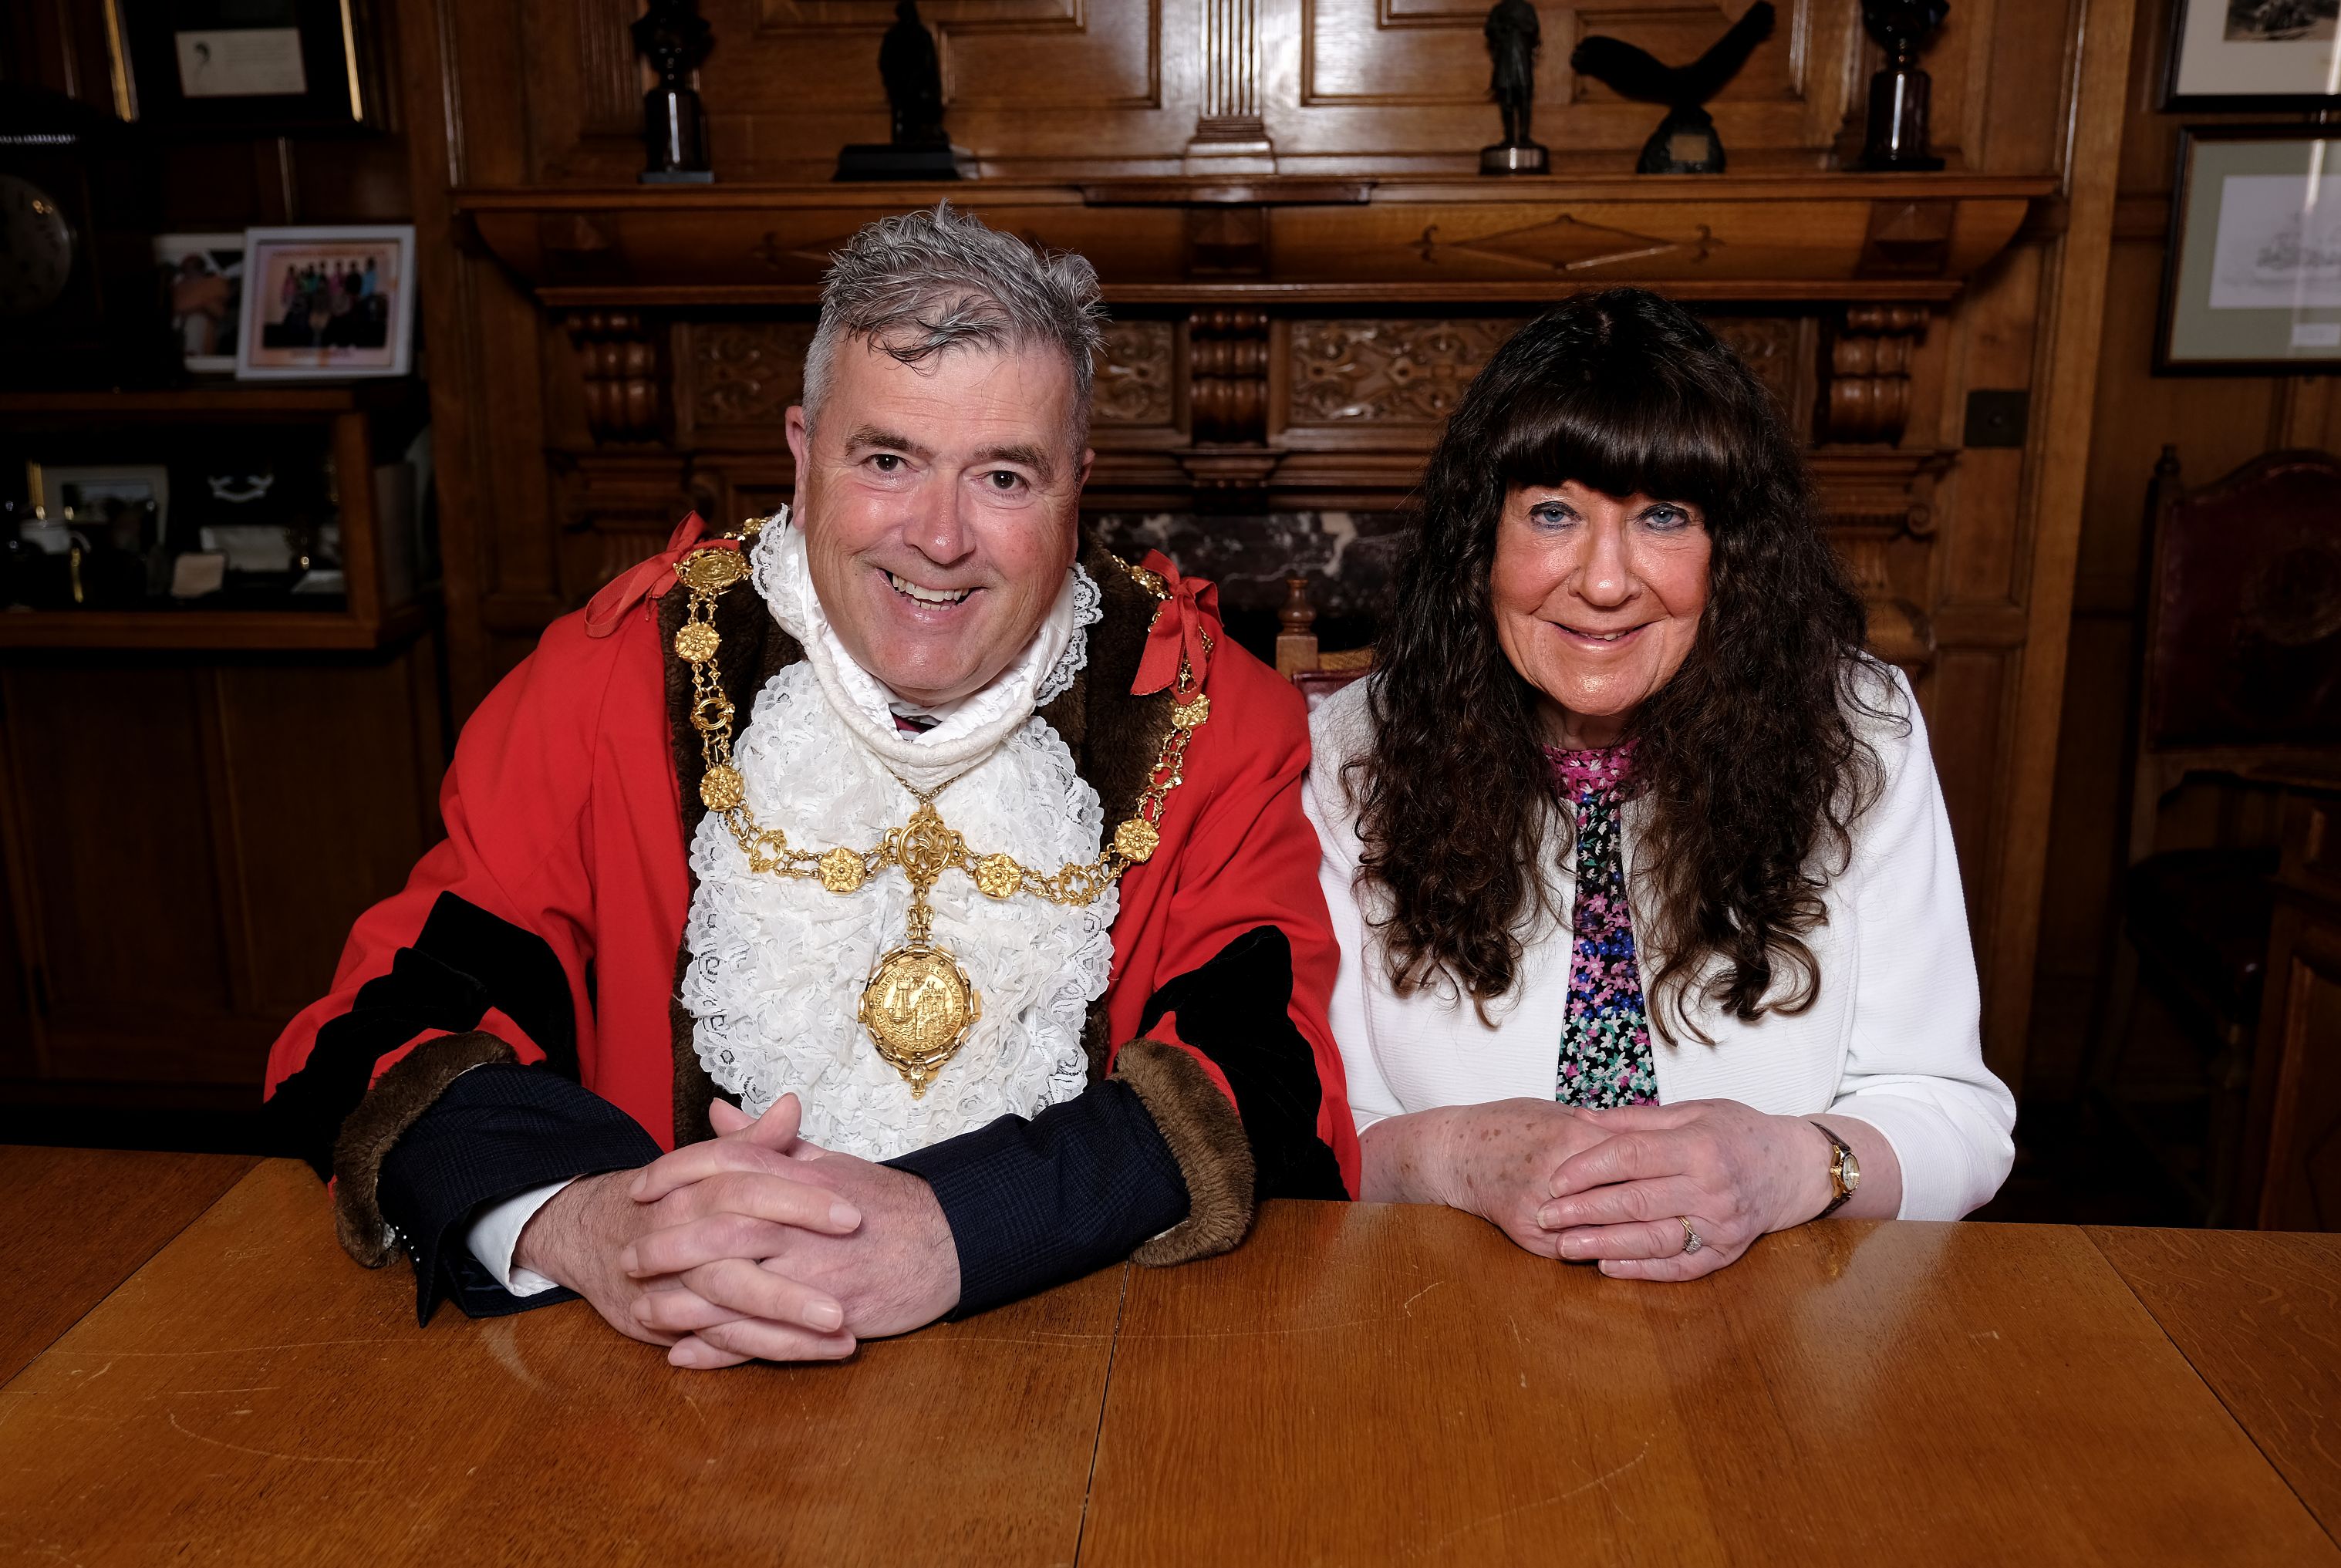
(2240, 628)
(1315, 672)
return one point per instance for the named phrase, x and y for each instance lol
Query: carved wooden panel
(615, 511)
(1781, 350)
(1136, 380)
(1381, 371)
(1414, 369)
(743, 375)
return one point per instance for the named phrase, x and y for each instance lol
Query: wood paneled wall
(2216, 423)
(534, 96)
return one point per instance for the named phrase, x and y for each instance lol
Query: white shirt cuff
(494, 1237)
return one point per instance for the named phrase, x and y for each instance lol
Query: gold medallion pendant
(918, 1006)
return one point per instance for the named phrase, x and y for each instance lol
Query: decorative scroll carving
(1227, 375)
(1410, 371)
(619, 365)
(1869, 372)
(746, 373)
(1134, 374)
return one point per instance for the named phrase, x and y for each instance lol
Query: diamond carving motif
(1133, 374)
(1410, 370)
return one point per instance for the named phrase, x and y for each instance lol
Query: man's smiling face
(939, 503)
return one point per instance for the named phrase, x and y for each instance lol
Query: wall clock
(36, 247)
(79, 306)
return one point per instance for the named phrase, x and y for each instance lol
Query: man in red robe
(950, 868)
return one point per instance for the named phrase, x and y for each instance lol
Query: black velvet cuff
(1031, 1203)
(496, 1131)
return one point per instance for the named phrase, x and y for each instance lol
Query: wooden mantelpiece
(1280, 344)
(1824, 237)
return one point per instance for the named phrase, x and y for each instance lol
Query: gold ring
(1691, 1243)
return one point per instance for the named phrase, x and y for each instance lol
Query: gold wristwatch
(1845, 1172)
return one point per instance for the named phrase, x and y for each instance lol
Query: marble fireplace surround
(1284, 349)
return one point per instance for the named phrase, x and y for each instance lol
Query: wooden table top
(1355, 1384)
(76, 1222)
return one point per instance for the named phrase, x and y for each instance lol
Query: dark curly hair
(1747, 756)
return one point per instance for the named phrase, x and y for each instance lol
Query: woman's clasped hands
(1613, 1187)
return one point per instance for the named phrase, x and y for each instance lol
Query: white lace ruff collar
(777, 963)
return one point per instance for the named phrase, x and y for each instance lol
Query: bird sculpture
(1685, 141)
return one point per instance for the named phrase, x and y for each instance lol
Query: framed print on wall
(2252, 284)
(2253, 55)
(323, 305)
(270, 67)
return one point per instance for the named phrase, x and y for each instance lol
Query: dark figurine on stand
(674, 38)
(912, 70)
(1514, 35)
(1685, 141)
(1898, 93)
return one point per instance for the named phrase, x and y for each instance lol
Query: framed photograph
(2252, 286)
(2252, 55)
(244, 65)
(125, 507)
(326, 304)
(203, 286)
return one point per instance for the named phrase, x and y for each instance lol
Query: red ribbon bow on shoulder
(1182, 623)
(650, 580)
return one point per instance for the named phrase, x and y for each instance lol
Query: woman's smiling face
(1596, 600)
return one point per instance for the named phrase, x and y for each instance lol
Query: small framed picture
(2252, 286)
(246, 65)
(2252, 55)
(324, 304)
(203, 285)
(122, 506)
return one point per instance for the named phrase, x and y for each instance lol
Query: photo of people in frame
(203, 285)
(327, 303)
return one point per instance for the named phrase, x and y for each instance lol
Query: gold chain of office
(918, 1005)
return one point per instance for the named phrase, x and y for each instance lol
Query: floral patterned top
(1605, 1038)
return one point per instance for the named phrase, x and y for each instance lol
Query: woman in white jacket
(1651, 930)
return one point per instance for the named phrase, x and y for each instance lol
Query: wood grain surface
(252, 1397)
(1363, 1383)
(2259, 1314)
(76, 1223)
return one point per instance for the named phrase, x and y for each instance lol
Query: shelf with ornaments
(215, 517)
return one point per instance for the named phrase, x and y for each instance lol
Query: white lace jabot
(777, 963)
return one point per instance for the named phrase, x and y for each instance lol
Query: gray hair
(918, 283)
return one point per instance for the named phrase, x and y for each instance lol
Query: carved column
(1227, 399)
(619, 365)
(1228, 136)
(1869, 373)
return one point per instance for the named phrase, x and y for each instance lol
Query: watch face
(36, 248)
(1852, 1169)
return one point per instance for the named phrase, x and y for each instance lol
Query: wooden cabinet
(195, 804)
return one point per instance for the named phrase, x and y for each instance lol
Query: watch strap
(1841, 1151)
